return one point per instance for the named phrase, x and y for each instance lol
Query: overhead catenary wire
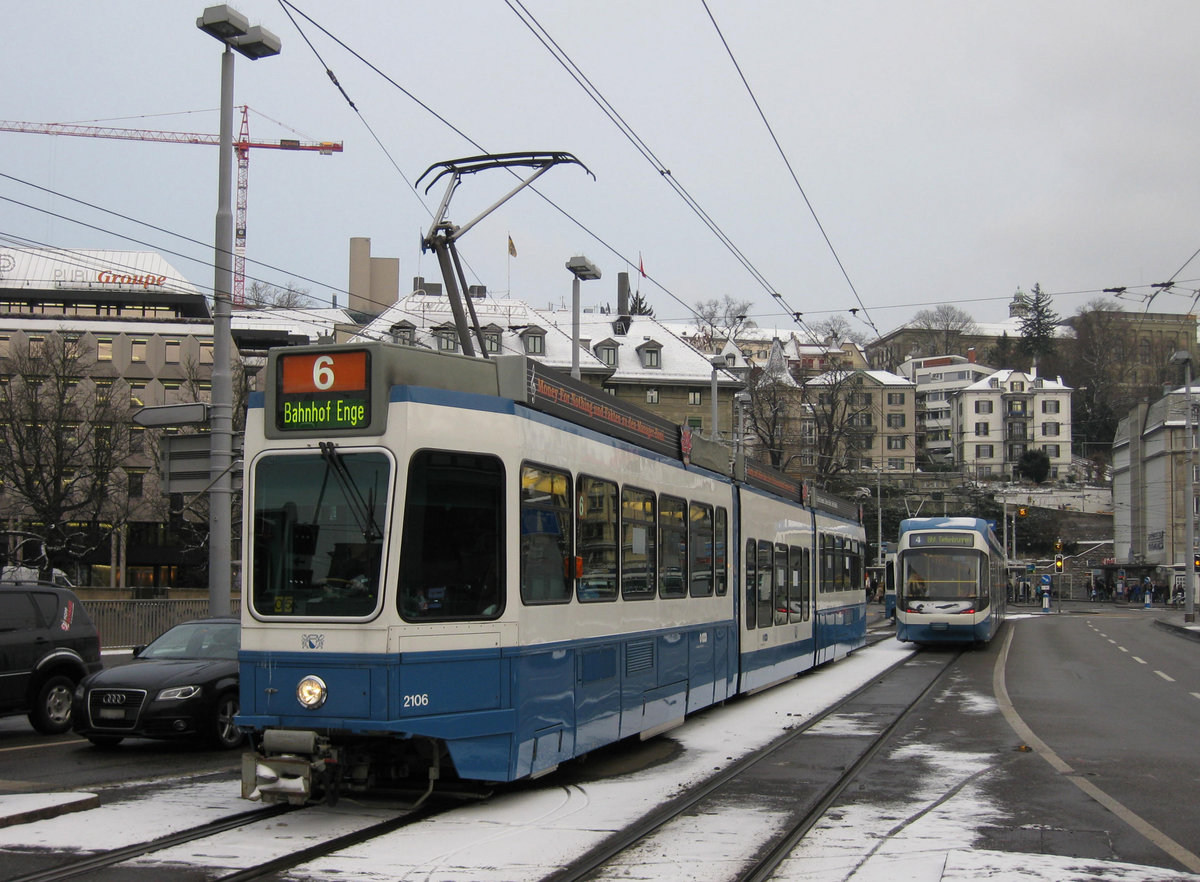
(611, 248)
(791, 171)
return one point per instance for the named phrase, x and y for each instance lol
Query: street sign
(1045, 578)
(186, 466)
(189, 413)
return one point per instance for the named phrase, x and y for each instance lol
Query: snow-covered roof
(679, 361)
(314, 323)
(882, 378)
(56, 269)
(1003, 376)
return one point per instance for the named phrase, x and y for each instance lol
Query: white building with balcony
(995, 420)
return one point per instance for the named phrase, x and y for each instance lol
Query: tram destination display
(322, 391)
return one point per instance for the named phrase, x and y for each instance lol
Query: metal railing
(127, 623)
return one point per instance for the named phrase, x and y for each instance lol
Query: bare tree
(289, 296)
(944, 327)
(1110, 369)
(774, 406)
(721, 321)
(66, 435)
(838, 328)
(842, 412)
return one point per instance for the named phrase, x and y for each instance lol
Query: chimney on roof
(374, 283)
(971, 355)
(623, 294)
(420, 286)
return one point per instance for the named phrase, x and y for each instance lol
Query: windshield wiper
(360, 508)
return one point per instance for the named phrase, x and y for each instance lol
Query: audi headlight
(177, 693)
(311, 692)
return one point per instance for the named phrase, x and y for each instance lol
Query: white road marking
(1162, 840)
(1165, 677)
(1138, 660)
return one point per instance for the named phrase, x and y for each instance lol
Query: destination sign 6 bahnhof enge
(327, 390)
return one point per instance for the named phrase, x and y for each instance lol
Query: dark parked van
(47, 645)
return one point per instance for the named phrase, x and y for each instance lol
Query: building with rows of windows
(140, 335)
(998, 418)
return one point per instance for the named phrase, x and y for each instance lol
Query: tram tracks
(112, 858)
(793, 778)
(790, 783)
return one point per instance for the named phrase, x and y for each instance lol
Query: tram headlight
(311, 692)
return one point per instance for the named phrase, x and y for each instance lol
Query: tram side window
(452, 551)
(700, 538)
(797, 585)
(672, 547)
(751, 582)
(639, 555)
(545, 535)
(840, 563)
(781, 585)
(766, 591)
(827, 564)
(596, 539)
(720, 543)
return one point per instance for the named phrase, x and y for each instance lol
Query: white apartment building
(995, 420)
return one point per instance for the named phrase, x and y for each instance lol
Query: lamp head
(257, 43)
(583, 269)
(223, 22)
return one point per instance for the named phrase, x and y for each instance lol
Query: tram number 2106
(421, 699)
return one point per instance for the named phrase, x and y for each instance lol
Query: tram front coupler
(286, 765)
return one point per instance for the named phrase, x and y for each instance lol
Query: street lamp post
(234, 31)
(1184, 357)
(583, 270)
(879, 559)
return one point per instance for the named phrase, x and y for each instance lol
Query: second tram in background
(950, 581)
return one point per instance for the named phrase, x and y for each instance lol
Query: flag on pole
(641, 266)
(512, 249)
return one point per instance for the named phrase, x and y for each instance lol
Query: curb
(1180, 630)
(25, 807)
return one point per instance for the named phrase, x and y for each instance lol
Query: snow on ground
(527, 835)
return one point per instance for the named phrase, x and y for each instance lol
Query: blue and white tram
(479, 568)
(950, 581)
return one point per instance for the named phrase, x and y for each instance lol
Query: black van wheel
(51, 712)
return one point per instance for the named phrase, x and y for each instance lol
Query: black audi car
(183, 685)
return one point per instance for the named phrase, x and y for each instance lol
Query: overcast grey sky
(952, 151)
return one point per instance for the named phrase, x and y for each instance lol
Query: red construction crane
(241, 147)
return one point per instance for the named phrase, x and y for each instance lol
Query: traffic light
(1058, 563)
(1196, 563)
(1022, 511)
(1058, 545)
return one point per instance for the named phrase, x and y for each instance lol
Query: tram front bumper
(284, 769)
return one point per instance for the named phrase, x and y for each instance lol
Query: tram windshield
(319, 523)
(941, 575)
